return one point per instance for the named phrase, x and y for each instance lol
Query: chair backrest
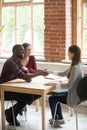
(82, 88)
(0, 92)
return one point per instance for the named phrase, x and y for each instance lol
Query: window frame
(83, 29)
(24, 3)
(80, 26)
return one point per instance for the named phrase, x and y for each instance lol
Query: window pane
(85, 15)
(85, 42)
(24, 17)
(8, 17)
(8, 35)
(85, 30)
(21, 27)
(38, 40)
(14, 0)
(38, 16)
(24, 36)
(8, 38)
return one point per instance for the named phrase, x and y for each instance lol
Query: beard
(20, 56)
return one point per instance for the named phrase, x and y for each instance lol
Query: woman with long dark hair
(70, 97)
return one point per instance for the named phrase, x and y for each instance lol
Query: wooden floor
(34, 120)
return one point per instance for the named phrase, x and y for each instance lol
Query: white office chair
(55, 114)
(75, 108)
(25, 109)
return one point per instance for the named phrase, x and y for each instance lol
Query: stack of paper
(52, 76)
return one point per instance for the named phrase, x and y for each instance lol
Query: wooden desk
(36, 86)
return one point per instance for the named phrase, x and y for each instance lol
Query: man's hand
(44, 72)
(28, 80)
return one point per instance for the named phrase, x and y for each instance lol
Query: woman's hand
(24, 68)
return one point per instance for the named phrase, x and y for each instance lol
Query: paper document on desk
(41, 79)
(57, 78)
(63, 79)
(58, 85)
(52, 76)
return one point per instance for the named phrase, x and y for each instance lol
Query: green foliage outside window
(85, 29)
(22, 26)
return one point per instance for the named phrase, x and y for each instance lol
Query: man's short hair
(16, 48)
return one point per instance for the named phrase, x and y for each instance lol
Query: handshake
(28, 77)
(44, 72)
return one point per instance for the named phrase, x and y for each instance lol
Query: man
(12, 69)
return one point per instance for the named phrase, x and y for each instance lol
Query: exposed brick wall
(57, 19)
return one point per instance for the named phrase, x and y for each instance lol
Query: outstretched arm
(29, 76)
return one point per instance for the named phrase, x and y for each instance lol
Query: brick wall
(58, 27)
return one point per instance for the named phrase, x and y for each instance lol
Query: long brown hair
(76, 59)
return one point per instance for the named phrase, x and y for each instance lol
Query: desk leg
(2, 109)
(43, 112)
(37, 104)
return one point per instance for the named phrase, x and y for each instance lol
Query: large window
(85, 29)
(24, 22)
(5, 1)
